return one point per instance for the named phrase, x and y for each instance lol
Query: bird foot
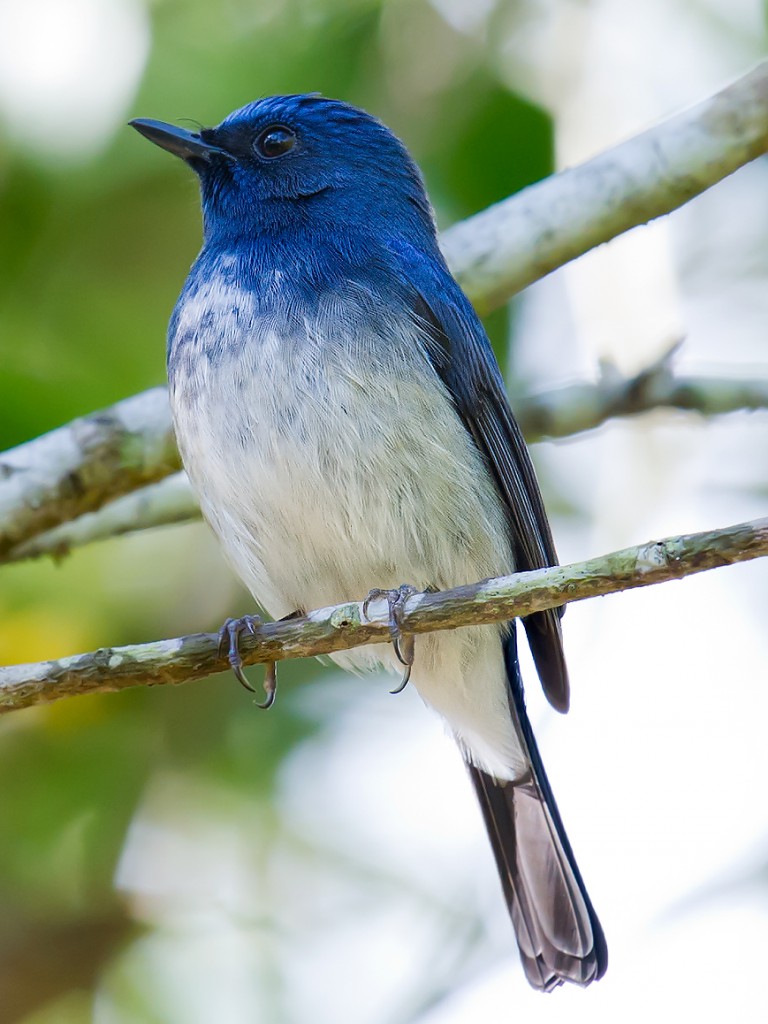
(229, 641)
(402, 644)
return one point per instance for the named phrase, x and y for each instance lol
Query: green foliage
(92, 255)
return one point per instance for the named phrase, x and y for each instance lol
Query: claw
(403, 682)
(270, 686)
(229, 640)
(403, 645)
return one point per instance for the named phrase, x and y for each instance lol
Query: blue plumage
(344, 423)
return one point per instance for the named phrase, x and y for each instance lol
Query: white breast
(329, 464)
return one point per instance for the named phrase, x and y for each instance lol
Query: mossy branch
(168, 662)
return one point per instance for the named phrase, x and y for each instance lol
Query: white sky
(68, 70)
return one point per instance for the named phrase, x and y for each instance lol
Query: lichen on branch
(169, 662)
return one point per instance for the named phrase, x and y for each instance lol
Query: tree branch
(561, 412)
(571, 410)
(168, 662)
(80, 467)
(168, 501)
(83, 465)
(510, 245)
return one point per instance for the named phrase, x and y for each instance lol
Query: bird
(345, 427)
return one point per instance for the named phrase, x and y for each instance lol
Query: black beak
(187, 145)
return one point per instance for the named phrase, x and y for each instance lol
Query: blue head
(287, 163)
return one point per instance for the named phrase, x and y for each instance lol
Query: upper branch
(335, 629)
(521, 239)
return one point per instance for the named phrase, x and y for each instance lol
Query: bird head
(287, 161)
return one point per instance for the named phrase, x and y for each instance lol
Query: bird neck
(310, 255)
(328, 218)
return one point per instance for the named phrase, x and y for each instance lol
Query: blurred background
(178, 857)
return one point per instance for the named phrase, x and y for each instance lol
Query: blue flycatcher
(344, 424)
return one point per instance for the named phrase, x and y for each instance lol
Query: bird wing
(558, 932)
(462, 356)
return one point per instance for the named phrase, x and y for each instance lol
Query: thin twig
(167, 662)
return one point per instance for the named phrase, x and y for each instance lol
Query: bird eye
(275, 141)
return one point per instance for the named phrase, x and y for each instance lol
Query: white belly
(326, 474)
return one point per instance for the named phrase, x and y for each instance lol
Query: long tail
(557, 930)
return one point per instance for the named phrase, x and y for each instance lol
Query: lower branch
(167, 662)
(571, 410)
(561, 412)
(80, 467)
(161, 504)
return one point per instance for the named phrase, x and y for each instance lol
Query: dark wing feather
(557, 930)
(462, 356)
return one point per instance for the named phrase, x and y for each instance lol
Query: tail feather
(557, 930)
